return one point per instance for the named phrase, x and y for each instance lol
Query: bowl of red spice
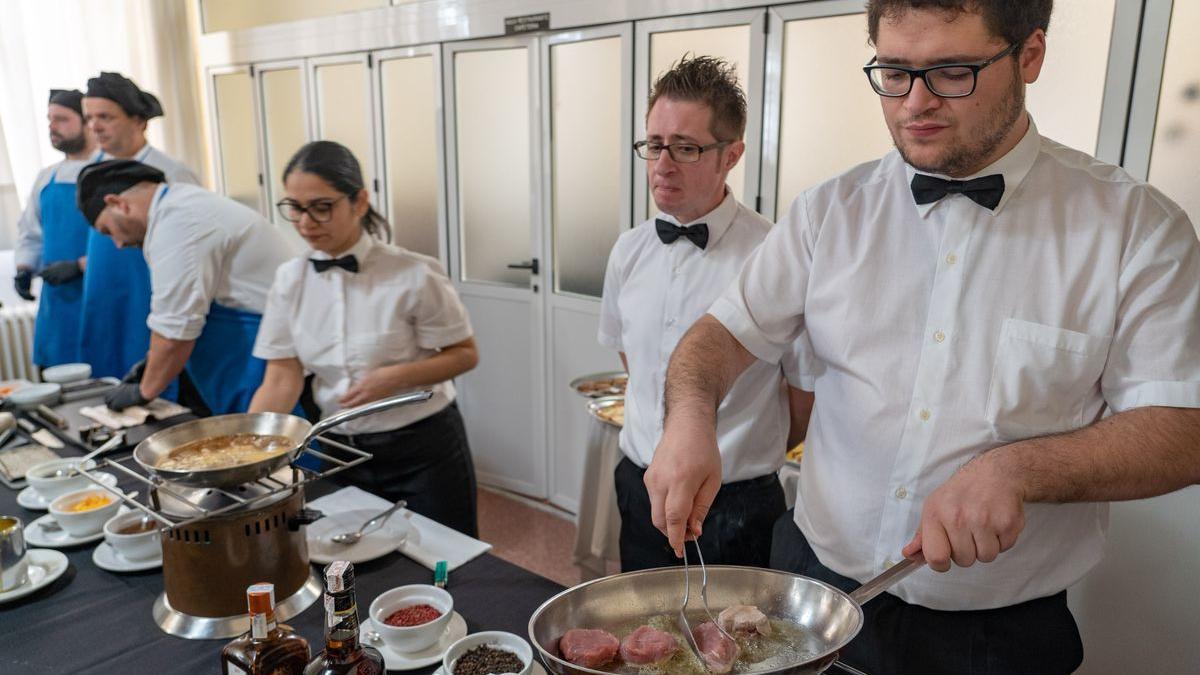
(411, 618)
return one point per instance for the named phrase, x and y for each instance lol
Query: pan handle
(885, 580)
(365, 409)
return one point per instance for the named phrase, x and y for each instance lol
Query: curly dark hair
(707, 80)
(1013, 20)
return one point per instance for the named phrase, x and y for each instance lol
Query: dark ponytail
(336, 165)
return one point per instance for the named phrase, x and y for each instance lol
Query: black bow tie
(668, 232)
(985, 191)
(346, 262)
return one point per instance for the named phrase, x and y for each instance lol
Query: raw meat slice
(588, 647)
(647, 645)
(744, 620)
(719, 652)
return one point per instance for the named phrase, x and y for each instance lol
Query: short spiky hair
(711, 81)
(1013, 20)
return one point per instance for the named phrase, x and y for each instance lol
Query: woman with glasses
(369, 320)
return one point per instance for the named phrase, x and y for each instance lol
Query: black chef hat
(122, 91)
(68, 98)
(110, 177)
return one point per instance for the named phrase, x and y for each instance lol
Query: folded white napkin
(429, 542)
(132, 416)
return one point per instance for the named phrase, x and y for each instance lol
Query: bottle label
(233, 669)
(331, 617)
(259, 626)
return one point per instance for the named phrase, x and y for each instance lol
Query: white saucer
(44, 567)
(375, 544)
(536, 670)
(455, 631)
(107, 558)
(35, 535)
(34, 501)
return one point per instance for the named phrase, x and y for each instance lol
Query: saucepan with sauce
(229, 450)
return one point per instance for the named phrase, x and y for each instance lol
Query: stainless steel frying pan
(155, 448)
(827, 617)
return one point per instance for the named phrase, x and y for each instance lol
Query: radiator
(16, 342)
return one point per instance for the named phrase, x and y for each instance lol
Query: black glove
(125, 395)
(135, 373)
(61, 272)
(23, 282)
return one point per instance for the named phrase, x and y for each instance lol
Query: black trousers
(1038, 637)
(427, 462)
(737, 530)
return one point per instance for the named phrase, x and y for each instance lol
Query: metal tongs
(681, 619)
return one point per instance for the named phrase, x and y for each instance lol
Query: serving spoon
(68, 471)
(348, 538)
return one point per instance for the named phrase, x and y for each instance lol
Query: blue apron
(64, 237)
(221, 365)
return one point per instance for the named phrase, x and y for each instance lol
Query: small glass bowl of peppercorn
(411, 618)
(491, 651)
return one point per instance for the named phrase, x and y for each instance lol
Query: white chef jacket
(398, 308)
(203, 248)
(175, 171)
(944, 330)
(654, 292)
(28, 251)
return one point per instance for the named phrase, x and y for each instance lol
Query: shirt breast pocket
(1042, 379)
(372, 350)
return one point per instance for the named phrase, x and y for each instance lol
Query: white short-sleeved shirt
(398, 308)
(28, 251)
(944, 330)
(203, 248)
(175, 171)
(654, 292)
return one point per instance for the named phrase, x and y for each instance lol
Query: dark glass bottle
(269, 648)
(343, 653)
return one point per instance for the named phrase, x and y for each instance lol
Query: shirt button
(939, 336)
(670, 322)
(924, 415)
(951, 259)
(901, 493)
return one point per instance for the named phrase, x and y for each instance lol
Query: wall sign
(528, 23)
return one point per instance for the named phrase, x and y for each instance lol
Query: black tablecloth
(93, 621)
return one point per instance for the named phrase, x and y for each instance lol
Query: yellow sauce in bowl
(89, 503)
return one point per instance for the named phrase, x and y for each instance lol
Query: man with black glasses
(661, 277)
(1004, 338)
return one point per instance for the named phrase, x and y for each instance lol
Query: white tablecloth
(598, 523)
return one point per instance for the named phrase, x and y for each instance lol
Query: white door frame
(214, 125)
(369, 167)
(271, 184)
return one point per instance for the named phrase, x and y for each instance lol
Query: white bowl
(84, 523)
(33, 395)
(134, 547)
(492, 638)
(407, 639)
(40, 477)
(67, 373)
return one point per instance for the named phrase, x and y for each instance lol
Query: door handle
(531, 265)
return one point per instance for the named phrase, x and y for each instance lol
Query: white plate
(537, 669)
(375, 544)
(33, 500)
(455, 631)
(44, 567)
(35, 535)
(107, 558)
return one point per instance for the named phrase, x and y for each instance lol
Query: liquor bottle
(343, 653)
(269, 648)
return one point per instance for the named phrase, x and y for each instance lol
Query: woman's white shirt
(399, 307)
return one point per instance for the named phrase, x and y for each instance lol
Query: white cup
(134, 547)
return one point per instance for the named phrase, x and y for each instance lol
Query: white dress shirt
(654, 292)
(203, 248)
(398, 308)
(175, 171)
(28, 251)
(944, 330)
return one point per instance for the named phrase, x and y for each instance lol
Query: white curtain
(48, 44)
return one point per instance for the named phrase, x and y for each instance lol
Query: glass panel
(491, 89)
(410, 105)
(806, 157)
(235, 14)
(235, 131)
(731, 43)
(283, 110)
(1065, 101)
(585, 86)
(342, 101)
(1173, 165)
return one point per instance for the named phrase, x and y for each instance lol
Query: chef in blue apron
(211, 264)
(116, 294)
(52, 236)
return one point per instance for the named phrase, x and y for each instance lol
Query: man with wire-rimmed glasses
(1004, 338)
(661, 277)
